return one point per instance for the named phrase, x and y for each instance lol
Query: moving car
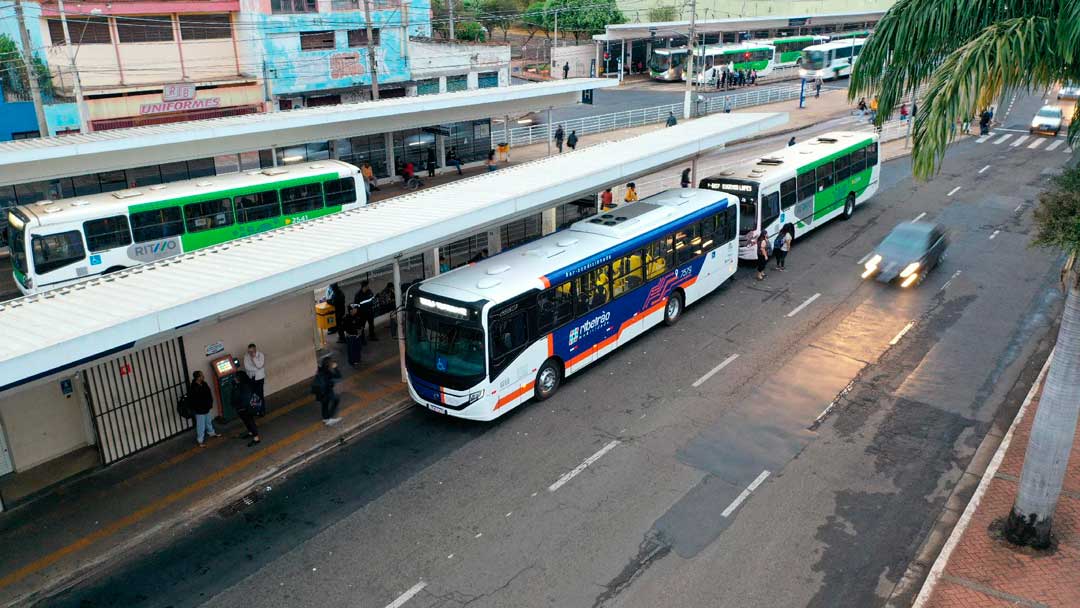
(1069, 90)
(1047, 120)
(907, 254)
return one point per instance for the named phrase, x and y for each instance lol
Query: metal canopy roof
(45, 333)
(662, 29)
(32, 160)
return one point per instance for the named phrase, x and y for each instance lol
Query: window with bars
(314, 41)
(90, 30)
(359, 37)
(205, 27)
(147, 28)
(294, 6)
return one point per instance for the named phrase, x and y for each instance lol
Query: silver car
(1047, 120)
(1069, 90)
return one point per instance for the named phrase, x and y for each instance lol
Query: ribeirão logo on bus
(589, 326)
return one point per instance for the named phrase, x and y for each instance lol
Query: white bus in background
(805, 185)
(482, 339)
(830, 60)
(54, 243)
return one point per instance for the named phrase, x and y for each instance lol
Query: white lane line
(1018, 208)
(1055, 144)
(803, 305)
(713, 371)
(983, 170)
(995, 233)
(1002, 138)
(408, 595)
(984, 138)
(900, 335)
(1035, 144)
(949, 282)
(863, 259)
(745, 493)
(919, 217)
(581, 467)
(1020, 140)
(953, 191)
(1067, 150)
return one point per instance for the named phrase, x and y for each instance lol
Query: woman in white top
(255, 366)
(783, 245)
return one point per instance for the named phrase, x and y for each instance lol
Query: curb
(193, 514)
(937, 570)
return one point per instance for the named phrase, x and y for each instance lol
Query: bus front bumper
(457, 405)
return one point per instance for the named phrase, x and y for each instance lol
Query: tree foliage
(471, 31)
(534, 20)
(969, 54)
(663, 13)
(1057, 218)
(13, 70)
(496, 14)
(584, 17)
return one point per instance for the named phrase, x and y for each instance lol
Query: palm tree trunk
(1052, 434)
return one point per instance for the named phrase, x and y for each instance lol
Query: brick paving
(984, 570)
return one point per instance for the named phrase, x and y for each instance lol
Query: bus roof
(724, 49)
(514, 272)
(836, 44)
(786, 162)
(783, 39)
(80, 208)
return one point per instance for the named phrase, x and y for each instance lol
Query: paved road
(447, 513)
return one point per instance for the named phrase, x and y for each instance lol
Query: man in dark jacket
(241, 402)
(337, 300)
(323, 387)
(365, 299)
(353, 328)
(201, 401)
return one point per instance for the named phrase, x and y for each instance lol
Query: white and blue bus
(485, 338)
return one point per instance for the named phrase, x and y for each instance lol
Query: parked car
(1047, 120)
(1069, 90)
(907, 254)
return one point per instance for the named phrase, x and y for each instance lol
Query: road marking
(1020, 140)
(953, 191)
(900, 335)
(713, 371)
(745, 493)
(983, 170)
(949, 282)
(1002, 139)
(581, 467)
(984, 138)
(1055, 144)
(408, 595)
(1035, 144)
(995, 233)
(1067, 150)
(1018, 208)
(803, 305)
(919, 217)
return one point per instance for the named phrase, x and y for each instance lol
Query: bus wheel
(548, 379)
(114, 269)
(849, 206)
(673, 308)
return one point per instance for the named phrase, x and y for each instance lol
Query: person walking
(431, 162)
(243, 403)
(571, 142)
(365, 301)
(817, 86)
(559, 136)
(862, 106)
(323, 387)
(727, 105)
(684, 179)
(631, 193)
(566, 70)
(255, 366)
(671, 120)
(369, 177)
(791, 142)
(607, 200)
(753, 77)
(353, 328)
(984, 122)
(201, 401)
(783, 245)
(762, 253)
(336, 296)
(453, 161)
(491, 163)
(873, 108)
(903, 111)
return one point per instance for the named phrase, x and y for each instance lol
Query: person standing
(791, 142)
(365, 300)
(783, 245)
(606, 200)
(873, 108)
(323, 387)
(571, 142)
(201, 401)
(753, 77)
(817, 86)
(684, 179)
(453, 160)
(336, 296)
(631, 193)
(491, 163)
(903, 111)
(431, 162)
(671, 120)
(255, 366)
(242, 399)
(353, 328)
(566, 70)
(369, 177)
(559, 136)
(762, 253)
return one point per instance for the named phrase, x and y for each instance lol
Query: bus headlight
(475, 396)
(908, 270)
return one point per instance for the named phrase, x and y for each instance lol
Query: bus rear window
(57, 250)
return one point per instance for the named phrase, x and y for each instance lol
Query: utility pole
(688, 99)
(372, 62)
(556, 43)
(80, 103)
(31, 73)
(450, 5)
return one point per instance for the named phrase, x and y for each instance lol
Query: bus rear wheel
(673, 308)
(849, 206)
(548, 379)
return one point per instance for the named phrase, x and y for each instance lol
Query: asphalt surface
(428, 511)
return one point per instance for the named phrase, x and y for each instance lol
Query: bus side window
(57, 250)
(770, 209)
(626, 274)
(842, 168)
(858, 160)
(340, 191)
(807, 185)
(787, 194)
(157, 224)
(299, 199)
(257, 206)
(684, 244)
(107, 233)
(705, 230)
(656, 258)
(824, 176)
(208, 214)
(592, 290)
(510, 334)
(555, 307)
(871, 155)
(732, 223)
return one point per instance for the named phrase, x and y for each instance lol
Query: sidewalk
(977, 567)
(62, 537)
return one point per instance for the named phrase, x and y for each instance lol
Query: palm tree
(971, 53)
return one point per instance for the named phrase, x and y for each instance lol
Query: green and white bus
(830, 60)
(789, 49)
(805, 185)
(54, 243)
(668, 65)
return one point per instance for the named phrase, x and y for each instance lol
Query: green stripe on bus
(192, 241)
(232, 192)
(833, 197)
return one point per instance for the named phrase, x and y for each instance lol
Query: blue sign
(95, 260)
(781, 218)
(440, 363)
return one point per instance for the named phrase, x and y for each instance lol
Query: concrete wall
(436, 59)
(282, 329)
(580, 57)
(41, 424)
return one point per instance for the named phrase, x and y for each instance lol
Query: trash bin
(504, 152)
(325, 317)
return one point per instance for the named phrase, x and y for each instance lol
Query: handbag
(183, 408)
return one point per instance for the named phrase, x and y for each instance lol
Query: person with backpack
(243, 401)
(201, 401)
(782, 245)
(762, 253)
(323, 389)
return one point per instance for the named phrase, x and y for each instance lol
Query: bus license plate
(435, 408)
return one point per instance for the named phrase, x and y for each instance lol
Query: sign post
(802, 94)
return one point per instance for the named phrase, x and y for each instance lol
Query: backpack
(778, 242)
(183, 408)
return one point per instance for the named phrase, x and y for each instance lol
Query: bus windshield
(17, 245)
(662, 62)
(449, 349)
(813, 60)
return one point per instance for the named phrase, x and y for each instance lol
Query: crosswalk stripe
(1067, 150)
(1003, 138)
(1035, 144)
(1020, 140)
(983, 138)
(1054, 144)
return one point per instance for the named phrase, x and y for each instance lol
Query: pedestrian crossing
(1028, 142)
